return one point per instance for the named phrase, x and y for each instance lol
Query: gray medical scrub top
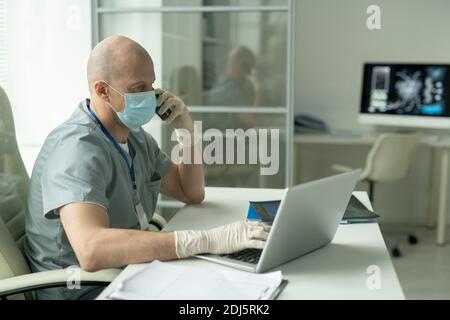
(78, 164)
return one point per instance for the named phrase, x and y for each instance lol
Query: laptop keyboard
(249, 255)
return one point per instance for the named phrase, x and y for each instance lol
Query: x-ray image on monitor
(408, 90)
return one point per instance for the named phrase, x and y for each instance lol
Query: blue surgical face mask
(139, 108)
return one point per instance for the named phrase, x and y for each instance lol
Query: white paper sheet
(162, 281)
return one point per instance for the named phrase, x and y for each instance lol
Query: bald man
(96, 181)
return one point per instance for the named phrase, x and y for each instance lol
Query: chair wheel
(396, 253)
(412, 240)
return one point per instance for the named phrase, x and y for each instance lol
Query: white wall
(333, 42)
(48, 46)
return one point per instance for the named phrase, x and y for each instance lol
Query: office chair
(16, 279)
(390, 159)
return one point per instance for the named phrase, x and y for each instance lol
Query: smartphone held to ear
(166, 114)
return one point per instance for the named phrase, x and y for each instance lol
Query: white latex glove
(179, 118)
(222, 240)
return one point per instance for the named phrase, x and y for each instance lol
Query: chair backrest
(391, 157)
(14, 183)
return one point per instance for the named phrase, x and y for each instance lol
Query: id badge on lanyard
(140, 212)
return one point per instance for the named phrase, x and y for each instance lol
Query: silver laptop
(307, 219)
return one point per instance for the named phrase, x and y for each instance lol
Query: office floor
(424, 269)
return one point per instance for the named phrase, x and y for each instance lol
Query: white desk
(338, 271)
(440, 151)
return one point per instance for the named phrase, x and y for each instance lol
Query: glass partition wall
(231, 63)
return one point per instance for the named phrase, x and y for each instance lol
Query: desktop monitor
(412, 95)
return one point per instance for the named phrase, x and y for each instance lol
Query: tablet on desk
(265, 211)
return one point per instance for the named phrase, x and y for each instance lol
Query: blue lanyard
(118, 148)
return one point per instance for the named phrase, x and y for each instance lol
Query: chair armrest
(52, 279)
(341, 168)
(158, 221)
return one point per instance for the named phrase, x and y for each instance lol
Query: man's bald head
(119, 58)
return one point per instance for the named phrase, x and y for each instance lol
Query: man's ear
(101, 90)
